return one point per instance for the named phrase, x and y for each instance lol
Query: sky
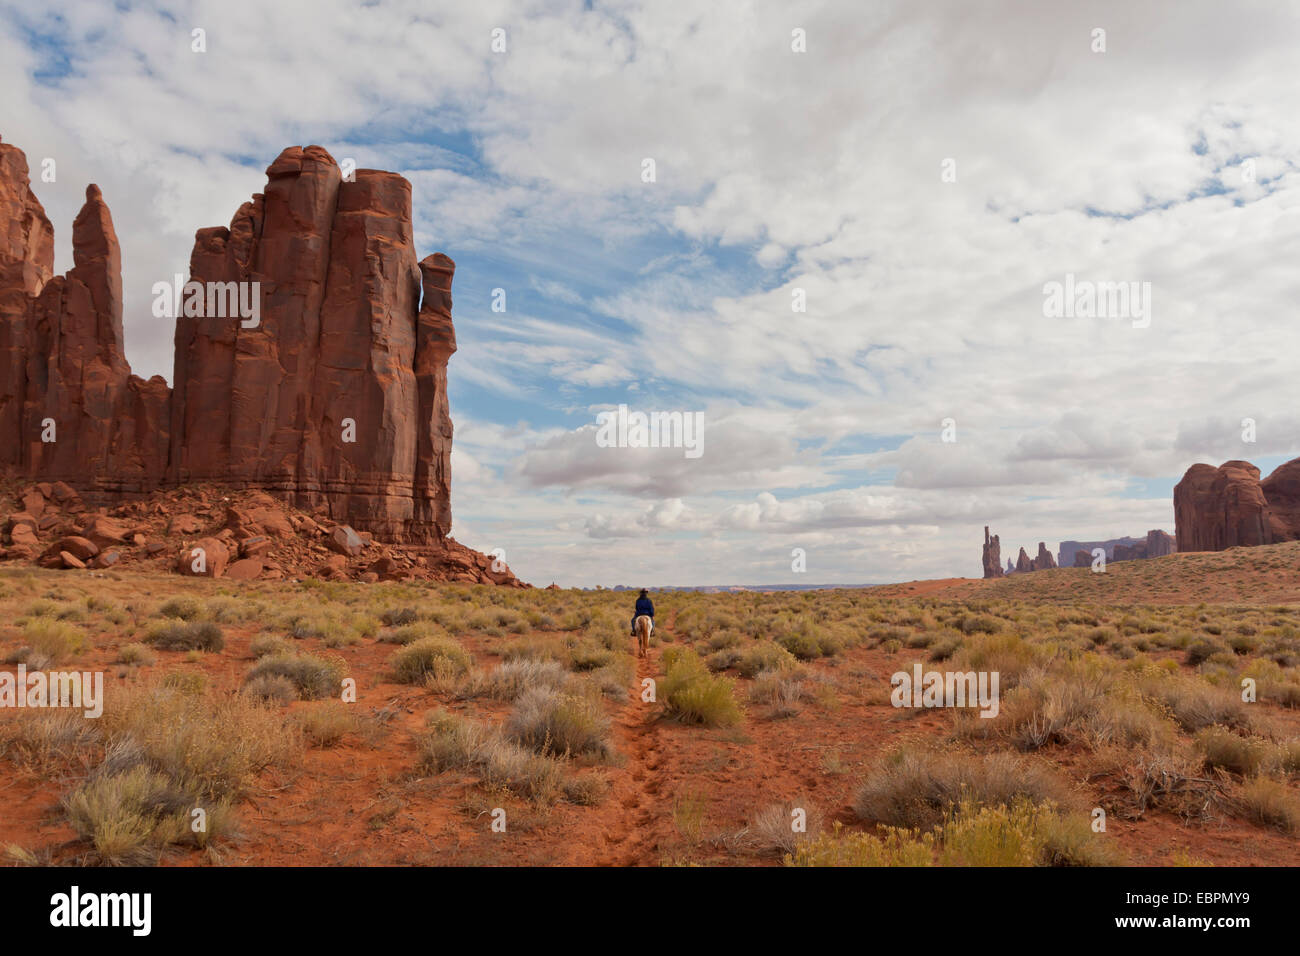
(914, 175)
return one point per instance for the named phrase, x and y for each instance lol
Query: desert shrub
(1021, 833)
(135, 654)
(1270, 803)
(227, 610)
(512, 678)
(186, 682)
(313, 677)
(274, 688)
(810, 642)
(919, 788)
(455, 743)
(265, 644)
(838, 848)
(54, 640)
(724, 659)
(325, 724)
(1240, 755)
(979, 624)
(430, 657)
(1007, 653)
(395, 616)
(210, 745)
(772, 829)
(764, 656)
(544, 648)
(780, 692)
(693, 695)
(184, 608)
(1201, 651)
(406, 634)
(550, 721)
(1196, 705)
(586, 790)
(725, 639)
(186, 636)
(129, 817)
(588, 655)
(1078, 704)
(44, 738)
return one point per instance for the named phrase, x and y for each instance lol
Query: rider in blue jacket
(643, 606)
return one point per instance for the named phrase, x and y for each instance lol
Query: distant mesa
(1230, 507)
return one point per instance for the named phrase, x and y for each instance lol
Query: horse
(644, 624)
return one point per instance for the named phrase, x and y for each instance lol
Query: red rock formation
(1282, 492)
(992, 555)
(334, 400)
(1130, 552)
(1023, 563)
(1226, 507)
(1044, 559)
(1160, 543)
(1083, 559)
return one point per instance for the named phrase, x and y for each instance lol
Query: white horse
(643, 625)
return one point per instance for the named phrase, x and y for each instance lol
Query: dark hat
(644, 592)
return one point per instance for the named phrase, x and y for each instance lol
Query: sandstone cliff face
(338, 396)
(67, 396)
(992, 555)
(1228, 506)
(335, 400)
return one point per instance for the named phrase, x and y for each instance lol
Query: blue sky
(1169, 158)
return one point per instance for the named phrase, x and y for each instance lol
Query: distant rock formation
(1068, 549)
(1044, 559)
(992, 555)
(1155, 545)
(1228, 506)
(1078, 554)
(1160, 543)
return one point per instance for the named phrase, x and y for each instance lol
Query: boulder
(206, 557)
(34, 503)
(105, 531)
(256, 545)
(71, 561)
(244, 569)
(345, 541)
(184, 524)
(83, 548)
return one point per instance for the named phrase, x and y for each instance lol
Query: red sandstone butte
(335, 401)
(1228, 506)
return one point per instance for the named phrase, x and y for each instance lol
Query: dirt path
(635, 801)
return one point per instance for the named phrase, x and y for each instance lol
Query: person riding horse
(643, 606)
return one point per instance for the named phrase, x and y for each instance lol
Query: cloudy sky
(916, 175)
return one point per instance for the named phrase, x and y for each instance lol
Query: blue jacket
(645, 606)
